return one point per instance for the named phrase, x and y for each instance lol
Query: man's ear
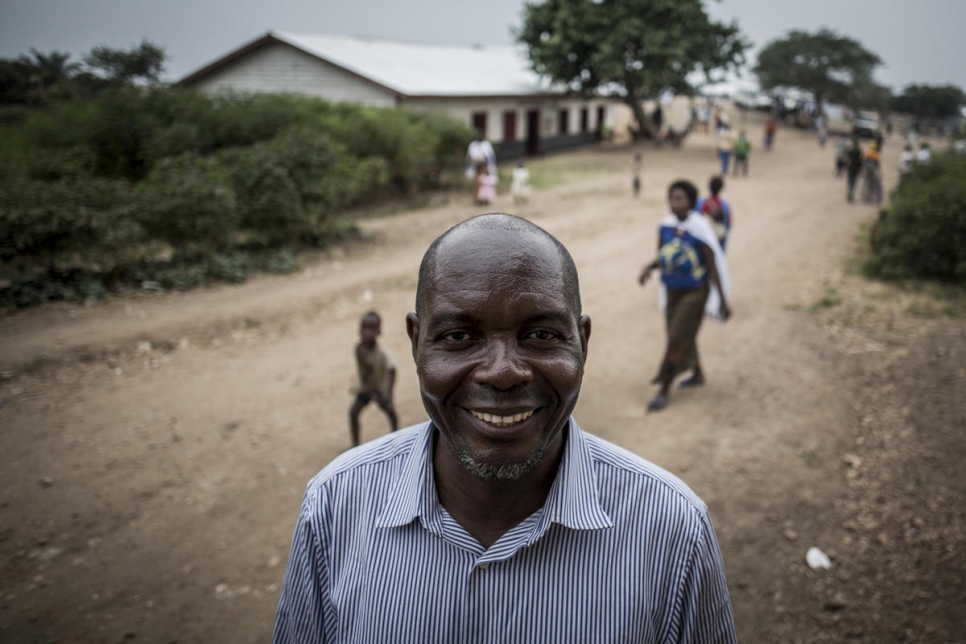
(583, 328)
(412, 330)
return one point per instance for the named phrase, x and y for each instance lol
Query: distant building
(488, 87)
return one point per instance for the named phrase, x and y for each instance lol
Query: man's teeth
(502, 421)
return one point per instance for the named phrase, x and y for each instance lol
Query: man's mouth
(502, 421)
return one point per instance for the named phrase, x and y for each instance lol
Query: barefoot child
(485, 186)
(377, 375)
(520, 187)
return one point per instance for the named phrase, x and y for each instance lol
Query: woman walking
(694, 281)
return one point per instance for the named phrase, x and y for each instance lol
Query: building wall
(282, 69)
(276, 67)
(495, 108)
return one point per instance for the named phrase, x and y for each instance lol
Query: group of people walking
(728, 147)
(865, 166)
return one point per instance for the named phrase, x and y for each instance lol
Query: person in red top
(770, 128)
(717, 210)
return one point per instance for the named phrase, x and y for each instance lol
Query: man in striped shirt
(500, 520)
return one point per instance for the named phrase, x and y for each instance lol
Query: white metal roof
(426, 70)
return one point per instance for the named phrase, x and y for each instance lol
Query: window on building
(563, 121)
(479, 122)
(584, 119)
(510, 125)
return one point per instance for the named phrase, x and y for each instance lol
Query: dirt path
(150, 491)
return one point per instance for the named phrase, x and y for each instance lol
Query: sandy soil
(154, 448)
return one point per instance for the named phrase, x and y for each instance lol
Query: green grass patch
(830, 299)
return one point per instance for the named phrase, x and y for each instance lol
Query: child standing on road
(637, 174)
(485, 186)
(377, 375)
(742, 149)
(520, 186)
(770, 128)
(717, 210)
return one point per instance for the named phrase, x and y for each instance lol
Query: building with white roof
(491, 88)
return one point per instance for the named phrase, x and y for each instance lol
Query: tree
(143, 63)
(829, 66)
(632, 49)
(871, 96)
(38, 79)
(41, 79)
(930, 102)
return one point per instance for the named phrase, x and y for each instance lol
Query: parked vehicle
(865, 125)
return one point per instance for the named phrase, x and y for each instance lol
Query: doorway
(533, 132)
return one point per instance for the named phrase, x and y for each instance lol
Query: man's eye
(542, 335)
(454, 337)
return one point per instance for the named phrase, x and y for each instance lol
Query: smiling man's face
(499, 350)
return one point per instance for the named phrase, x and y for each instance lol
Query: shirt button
(483, 566)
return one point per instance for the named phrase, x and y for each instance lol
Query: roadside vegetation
(114, 181)
(923, 234)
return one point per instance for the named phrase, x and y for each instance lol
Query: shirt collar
(405, 495)
(573, 501)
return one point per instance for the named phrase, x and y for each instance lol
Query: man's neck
(490, 509)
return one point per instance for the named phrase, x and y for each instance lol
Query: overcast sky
(919, 41)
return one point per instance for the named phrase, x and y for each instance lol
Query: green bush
(289, 188)
(415, 146)
(924, 233)
(85, 223)
(173, 186)
(188, 202)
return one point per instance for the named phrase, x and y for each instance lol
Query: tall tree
(141, 64)
(631, 49)
(930, 101)
(871, 96)
(37, 79)
(826, 64)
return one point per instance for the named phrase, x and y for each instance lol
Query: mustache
(527, 395)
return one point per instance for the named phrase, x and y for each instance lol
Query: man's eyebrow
(457, 319)
(561, 319)
(451, 319)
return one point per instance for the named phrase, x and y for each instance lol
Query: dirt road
(155, 448)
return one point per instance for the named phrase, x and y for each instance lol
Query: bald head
(479, 231)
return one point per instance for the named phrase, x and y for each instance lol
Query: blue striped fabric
(622, 551)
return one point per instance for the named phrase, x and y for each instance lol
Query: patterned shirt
(621, 551)
(680, 259)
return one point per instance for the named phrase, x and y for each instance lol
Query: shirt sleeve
(301, 615)
(703, 605)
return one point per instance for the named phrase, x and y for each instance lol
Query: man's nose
(503, 366)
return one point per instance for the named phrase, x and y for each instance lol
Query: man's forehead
(493, 249)
(496, 260)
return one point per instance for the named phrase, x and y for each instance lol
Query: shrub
(289, 188)
(174, 186)
(188, 202)
(83, 223)
(414, 146)
(924, 234)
